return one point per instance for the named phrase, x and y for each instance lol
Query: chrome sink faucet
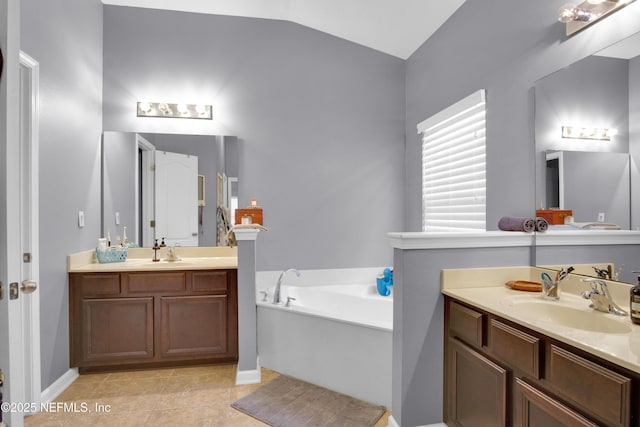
(601, 297)
(276, 294)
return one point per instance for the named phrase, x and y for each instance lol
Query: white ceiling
(396, 27)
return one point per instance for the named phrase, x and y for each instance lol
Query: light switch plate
(80, 219)
(600, 216)
(117, 218)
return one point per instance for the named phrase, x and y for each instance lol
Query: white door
(29, 228)
(11, 218)
(176, 204)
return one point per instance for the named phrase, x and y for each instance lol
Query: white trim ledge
(246, 234)
(481, 239)
(59, 385)
(587, 237)
(248, 377)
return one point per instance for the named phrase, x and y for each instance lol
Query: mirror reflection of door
(176, 198)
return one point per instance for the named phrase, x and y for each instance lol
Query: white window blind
(454, 167)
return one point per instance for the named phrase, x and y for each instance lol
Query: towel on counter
(541, 224)
(511, 223)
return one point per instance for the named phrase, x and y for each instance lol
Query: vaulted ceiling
(396, 27)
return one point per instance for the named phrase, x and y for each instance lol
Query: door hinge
(26, 257)
(152, 223)
(152, 167)
(1, 291)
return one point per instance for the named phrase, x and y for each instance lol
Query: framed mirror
(592, 176)
(170, 186)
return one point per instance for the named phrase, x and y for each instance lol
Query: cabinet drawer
(156, 282)
(209, 281)
(515, 347)
(603, 393)
(534, 408)
(98, 284)
(466, 324)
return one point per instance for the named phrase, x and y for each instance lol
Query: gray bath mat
(288, 402)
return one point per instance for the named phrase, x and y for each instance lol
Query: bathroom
(298, 100)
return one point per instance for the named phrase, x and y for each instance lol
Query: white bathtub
(337, 335)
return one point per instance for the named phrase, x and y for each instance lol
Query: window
(454, 167)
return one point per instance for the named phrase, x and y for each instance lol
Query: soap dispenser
(634, 296)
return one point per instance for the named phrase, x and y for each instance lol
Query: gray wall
(625, 258)
(119, 157)
(320, 121)
(65, 37)
(597, 182)
(483, 46)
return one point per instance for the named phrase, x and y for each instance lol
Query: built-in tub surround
(336, 333)
(140, 259)
(610, 337)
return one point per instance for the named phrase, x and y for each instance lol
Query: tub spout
(276, 294)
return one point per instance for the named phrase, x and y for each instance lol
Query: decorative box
(554, 216)
(254, 213)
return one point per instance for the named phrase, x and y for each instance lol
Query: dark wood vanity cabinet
(152, 319)
(498, 373)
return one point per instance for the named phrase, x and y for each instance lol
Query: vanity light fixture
(578, 17)
(181, 111)
(601, 134)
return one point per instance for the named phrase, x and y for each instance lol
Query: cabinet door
(536, 409)
(476, 388)
(194, 326)
(117, 329)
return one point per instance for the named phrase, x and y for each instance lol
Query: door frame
(11, 341)
(144, 180)
(30, 161)
(148, 185)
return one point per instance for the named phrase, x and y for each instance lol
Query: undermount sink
(570, 311)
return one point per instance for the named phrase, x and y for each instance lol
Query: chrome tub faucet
(276, 293)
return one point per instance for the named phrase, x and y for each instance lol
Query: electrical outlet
(117, 218)
(600, 216)
(80, 219)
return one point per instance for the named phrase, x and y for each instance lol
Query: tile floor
(190, 396)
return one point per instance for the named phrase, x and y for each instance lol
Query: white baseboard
(59, 385)
(391, 422)
(253, 376)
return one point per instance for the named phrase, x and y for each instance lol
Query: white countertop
(140, 259)
(477, 288)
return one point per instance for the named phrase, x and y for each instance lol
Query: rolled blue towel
(541, 224)
(511, 223)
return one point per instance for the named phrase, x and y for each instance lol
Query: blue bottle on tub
(385, 282)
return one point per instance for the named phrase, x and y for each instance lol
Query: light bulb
(201, 109)
(144, 106)
(566, 13)
(164, 109)
(182, 108)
